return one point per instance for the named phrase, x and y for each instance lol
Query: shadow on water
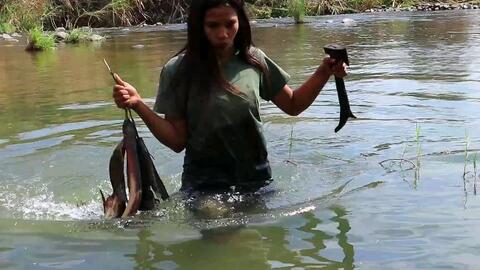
(254, 247)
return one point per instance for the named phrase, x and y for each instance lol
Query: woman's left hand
(331, 67)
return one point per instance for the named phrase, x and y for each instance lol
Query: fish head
(337, 52)
(113, 206)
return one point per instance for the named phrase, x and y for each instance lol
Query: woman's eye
(212, 25)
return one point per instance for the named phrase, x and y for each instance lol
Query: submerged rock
(210, 208)
(8, 38)
(12, 40)
(60, 35)
(349, 22)
(96, 37)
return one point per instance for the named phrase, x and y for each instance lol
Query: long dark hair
(199, 63)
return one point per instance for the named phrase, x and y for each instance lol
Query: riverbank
(23, 15)
(70, 25)
(427, 7)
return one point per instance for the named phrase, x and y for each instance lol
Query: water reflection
(314, 240)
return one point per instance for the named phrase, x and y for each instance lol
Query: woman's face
(221, 26)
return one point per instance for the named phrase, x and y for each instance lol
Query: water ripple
(36, 134)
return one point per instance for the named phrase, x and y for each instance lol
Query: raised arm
(294, 102)
(170, 132)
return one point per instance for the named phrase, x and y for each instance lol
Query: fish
(134, 178)
(345, 111)
(339, 52)
(144, 183)
(114, 205)
(151, 182)
(143, 180)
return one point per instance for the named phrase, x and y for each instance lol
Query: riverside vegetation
(35, 17)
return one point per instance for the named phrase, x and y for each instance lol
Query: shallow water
(340, 200)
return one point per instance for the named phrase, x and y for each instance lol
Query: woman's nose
(222, 33)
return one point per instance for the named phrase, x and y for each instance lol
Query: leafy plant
(23, 14)
(77, 35)
(7, 28)
(39, 41)
(297, 10)
(259, 12)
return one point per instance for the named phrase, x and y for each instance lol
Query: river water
(394, 189)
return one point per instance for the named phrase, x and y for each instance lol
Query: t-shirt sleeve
(171, 99)
(276, 79)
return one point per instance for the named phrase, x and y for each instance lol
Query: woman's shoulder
(172, 65)
(257, 53)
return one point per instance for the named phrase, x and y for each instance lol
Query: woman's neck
(224, 54)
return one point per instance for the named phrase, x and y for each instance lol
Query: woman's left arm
(293, 102)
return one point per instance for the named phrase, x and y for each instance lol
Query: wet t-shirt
(225, 143)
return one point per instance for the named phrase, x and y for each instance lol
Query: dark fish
(134, 178)
(142, 176)
(143, 181)
(114, 205)
(151, 181)
(345, 111)
(339, 53)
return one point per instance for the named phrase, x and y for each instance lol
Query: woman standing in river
(210, 94)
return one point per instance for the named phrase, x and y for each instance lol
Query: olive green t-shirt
(225, 144)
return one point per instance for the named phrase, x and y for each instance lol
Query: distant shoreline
(80, 14)
(427, 7)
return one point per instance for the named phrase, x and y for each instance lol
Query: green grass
(259, 12)
(7, 28)
(28, 22)
(23, 15)
(297, 10)
(361, 5)
(419, 146)
(475, 173)
(467, 143)
(77, 35)
(40, 41)
(122, 10)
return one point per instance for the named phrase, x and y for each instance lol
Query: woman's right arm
(170, 132)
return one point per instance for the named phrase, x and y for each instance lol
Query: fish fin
(103, 199)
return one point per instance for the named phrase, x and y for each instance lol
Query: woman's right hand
(124, 94)
(331, 67)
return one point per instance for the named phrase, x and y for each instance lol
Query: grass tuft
(297, 10)
(24, 15)
(7, 28)
(40, 41)
(475, 173)
(77, 35)
(467, 142)
(418, 143)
